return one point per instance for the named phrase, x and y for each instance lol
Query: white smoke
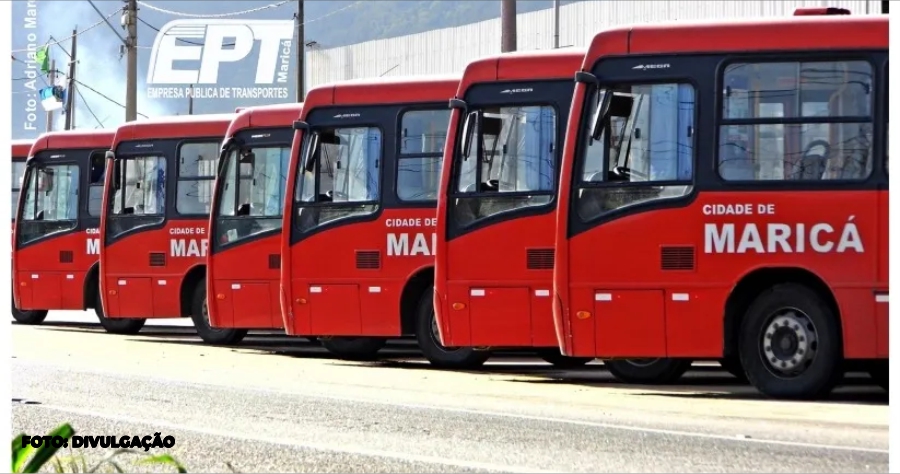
(99, 63)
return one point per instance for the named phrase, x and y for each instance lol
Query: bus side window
(834, 99)
(95, 186)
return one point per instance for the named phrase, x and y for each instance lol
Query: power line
(213, 15)
(54, 43)
(95, 91)
(107, 21)
(84, 101)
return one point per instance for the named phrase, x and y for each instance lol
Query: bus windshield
(252, 194)
(51, 201)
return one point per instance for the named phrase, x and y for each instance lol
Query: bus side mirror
(468, 129)
(601, 114)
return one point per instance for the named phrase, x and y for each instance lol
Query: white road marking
(316, 446)
(469, 411)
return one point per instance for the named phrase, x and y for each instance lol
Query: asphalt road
(277, 404)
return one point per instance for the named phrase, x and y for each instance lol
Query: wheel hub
(789, 343)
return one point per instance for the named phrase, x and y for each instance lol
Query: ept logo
(216, 36)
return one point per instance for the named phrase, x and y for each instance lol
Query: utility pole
(70, 88)
(191, 101)
(507, 26)
(129, 20)
(52, 83)
(301, 49)
(555, 24)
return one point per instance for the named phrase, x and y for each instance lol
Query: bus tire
(659, 371)
(31, 318)
(200, 316)
(430, 343)
(803, 359)
(733, 366)
(879, 371)
(116, 326)
(354, 348)
(552, 356)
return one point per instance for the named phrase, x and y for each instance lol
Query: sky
(101, 68)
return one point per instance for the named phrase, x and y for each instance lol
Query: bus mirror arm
(457, 104)
(300, 125)
(109, 155)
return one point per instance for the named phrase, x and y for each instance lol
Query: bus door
(636, 158)
(137, 215)
(881, 291)
(337, 239)
(55, 243)
(247, 261)
(500, 214)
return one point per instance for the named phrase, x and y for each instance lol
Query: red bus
(497, 206)
(19, 153)
(244, 261)
(57, 217)
(155, 215)
(358, 233)
(724, 194)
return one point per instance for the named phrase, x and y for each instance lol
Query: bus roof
(20, 148)
(264, 116)
(73, 139)
(383, 90)
(175, 126)
(522, 65)
(832, 32)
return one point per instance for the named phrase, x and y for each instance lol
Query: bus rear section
(725, 196)
(497, 206)
(358, 241)
(155, 216)
(244, 261)
(55, 241)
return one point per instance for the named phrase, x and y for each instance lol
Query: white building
(448, 50)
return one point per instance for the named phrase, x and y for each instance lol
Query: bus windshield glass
(51, 201)
(252, 193)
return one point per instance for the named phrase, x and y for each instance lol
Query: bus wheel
(32, 317)
(648, 371)
(354, 348)
(200, 316)
(554, 357)
(790, 343)
(430, 343)
(733, 366)
(879, 372)
(116, 326)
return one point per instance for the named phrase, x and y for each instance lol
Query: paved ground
(277, 404)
